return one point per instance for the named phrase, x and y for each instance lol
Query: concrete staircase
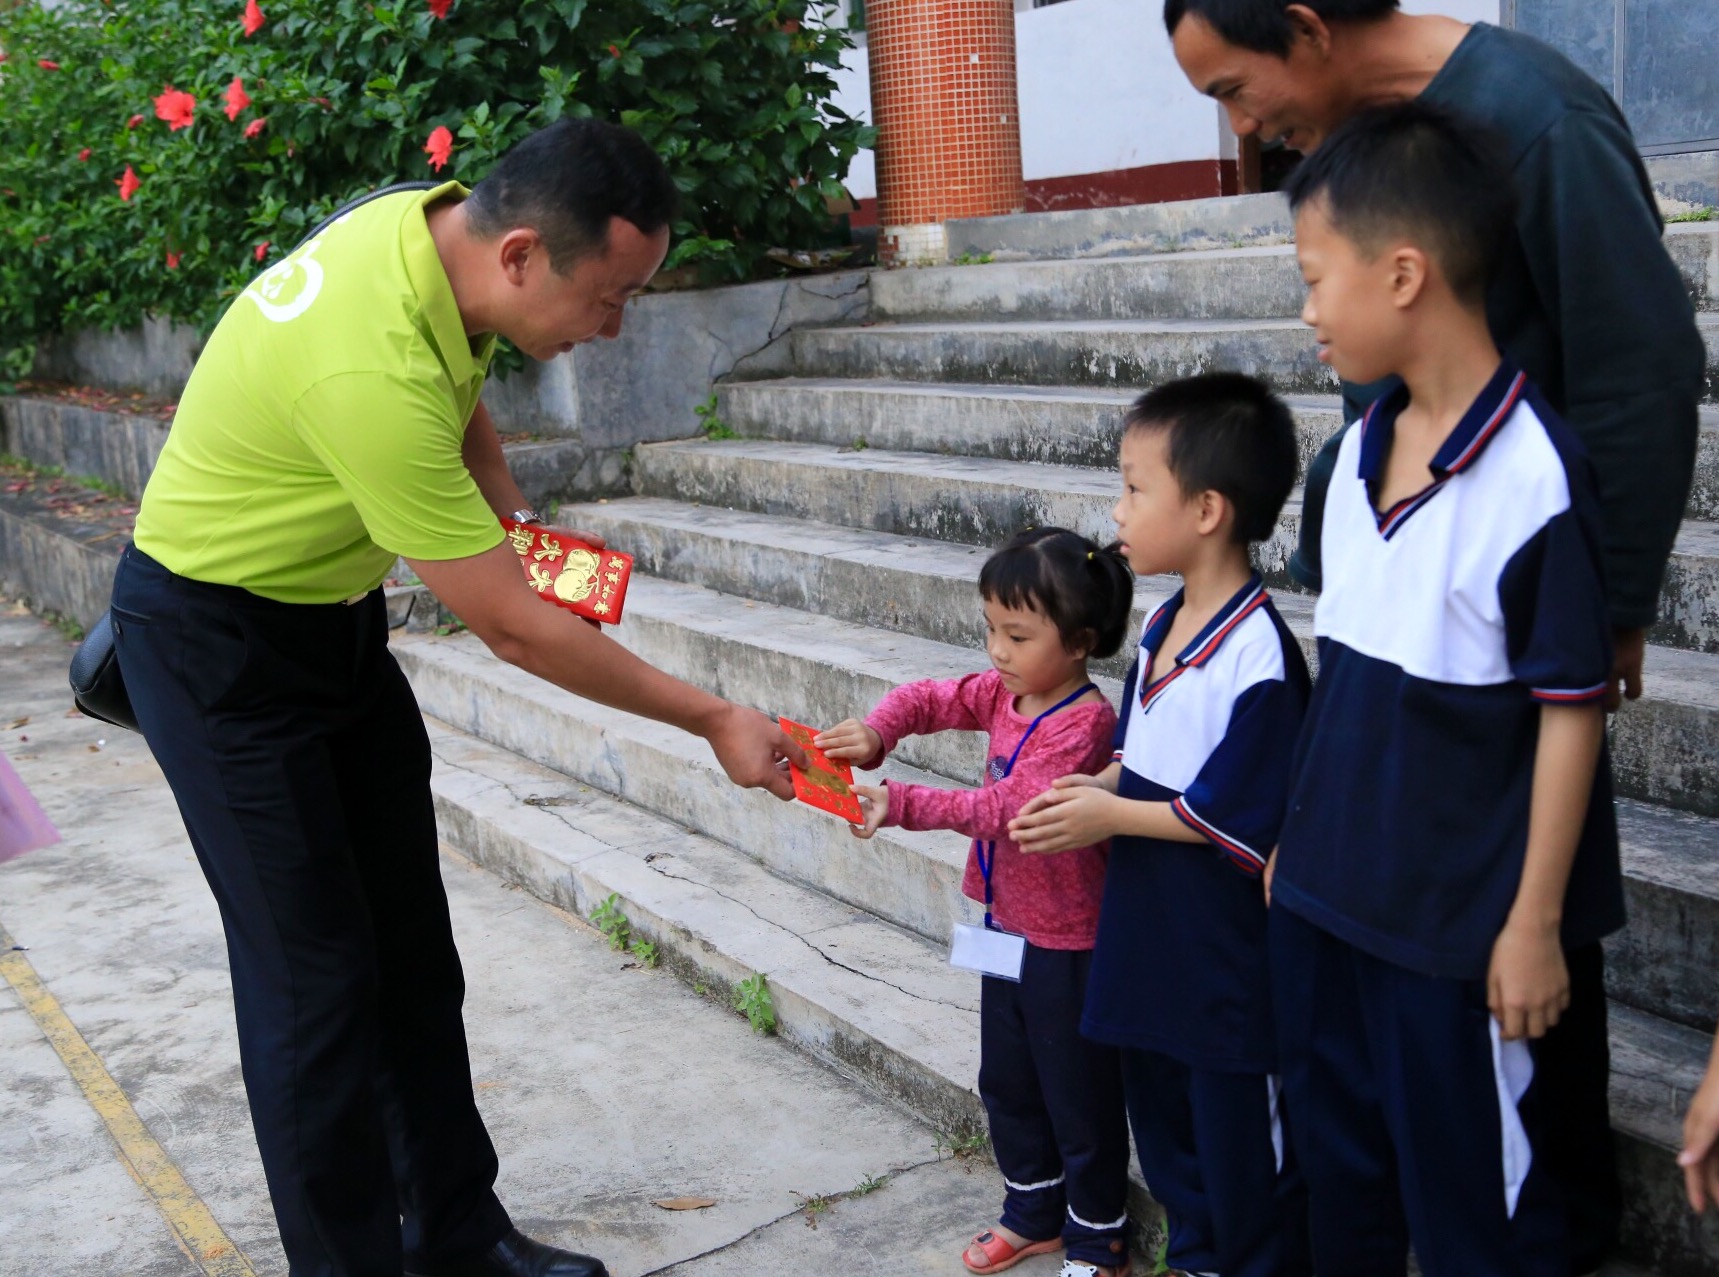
(829, 552)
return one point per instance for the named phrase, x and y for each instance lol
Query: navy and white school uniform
(1445, 624)
(1179, 975)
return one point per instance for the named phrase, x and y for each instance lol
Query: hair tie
(1089, 554)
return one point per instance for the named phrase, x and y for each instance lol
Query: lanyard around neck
(987, 851)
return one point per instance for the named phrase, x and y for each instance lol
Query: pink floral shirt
(1052, 900)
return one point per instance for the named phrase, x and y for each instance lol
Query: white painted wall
(1100, 90)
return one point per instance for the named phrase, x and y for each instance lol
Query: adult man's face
(1296, 99)
(550, 312)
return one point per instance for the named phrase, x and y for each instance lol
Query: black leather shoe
(515, 1255)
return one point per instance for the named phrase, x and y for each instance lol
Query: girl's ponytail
(1113, 596)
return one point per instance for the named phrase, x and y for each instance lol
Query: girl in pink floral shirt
(1053, 599)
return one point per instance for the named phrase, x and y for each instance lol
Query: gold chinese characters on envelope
(588, 582)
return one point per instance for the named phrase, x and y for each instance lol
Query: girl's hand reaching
(851, 741)
(874, 800)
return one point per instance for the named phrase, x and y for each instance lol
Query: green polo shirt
(320, 433)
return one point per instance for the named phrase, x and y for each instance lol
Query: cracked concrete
(604, 1088)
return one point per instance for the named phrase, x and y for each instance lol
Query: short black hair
(1085, 590)
(1229, 434)
(1262, 25)
(566, 181)
(1421, 171)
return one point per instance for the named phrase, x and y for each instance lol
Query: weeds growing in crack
(752, 999)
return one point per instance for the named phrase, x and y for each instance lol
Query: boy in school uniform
(1192, 802)
(1450, 829)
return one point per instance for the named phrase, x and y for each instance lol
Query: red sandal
(1000, 1254)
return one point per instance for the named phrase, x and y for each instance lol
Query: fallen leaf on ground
(16, 723)
(685, 1203)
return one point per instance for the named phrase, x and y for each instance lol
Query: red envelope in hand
(828, 783)
(588, 582)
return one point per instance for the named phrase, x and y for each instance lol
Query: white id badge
(998, 953)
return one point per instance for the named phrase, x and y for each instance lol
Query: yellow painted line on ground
(202, 1238)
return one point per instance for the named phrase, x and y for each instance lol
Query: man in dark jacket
(1586, 300)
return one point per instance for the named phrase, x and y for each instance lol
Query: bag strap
(359, 202)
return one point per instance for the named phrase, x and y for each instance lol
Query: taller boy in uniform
(1193, 801)
(1446, 835)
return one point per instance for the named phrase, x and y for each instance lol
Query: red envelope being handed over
(588, 582)
(828, 783)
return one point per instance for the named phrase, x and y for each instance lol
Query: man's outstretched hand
(754, 751)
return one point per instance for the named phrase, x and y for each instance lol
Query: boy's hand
(1062, 819)
(874, 801)
(1105, 780)
(1700, 1156)
(851, 741)
(1270, 870)
(1527, 985)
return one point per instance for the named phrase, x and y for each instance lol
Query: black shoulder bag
(97, 686)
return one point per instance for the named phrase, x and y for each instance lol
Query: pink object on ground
(24, 826)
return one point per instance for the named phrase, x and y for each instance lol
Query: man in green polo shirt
(332, 424)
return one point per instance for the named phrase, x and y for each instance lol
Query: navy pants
(1412, 1122)
(1572, 1077)
(296, 752)
(1055, 1104)
(1214, 1154)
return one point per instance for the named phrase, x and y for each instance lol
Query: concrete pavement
(604, 1087)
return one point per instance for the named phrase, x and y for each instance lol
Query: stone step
(1233, 221)
(865, 997)
(1244, 283)
(1131, 353)
(873, 1002)
(1225, 224)
(909, 879)
(1062, 425)
(819, 669)
(971, 500)
(1067, 352)
(1664, 745)
(984, 501)
(121, 448)
(1231, 282)
(1656, 1067)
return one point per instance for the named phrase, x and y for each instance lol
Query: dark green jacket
(1586, 300)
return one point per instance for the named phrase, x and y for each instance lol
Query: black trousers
(1573, 1077)
(296, 752)
(1215, 1153)
(1054, 1099)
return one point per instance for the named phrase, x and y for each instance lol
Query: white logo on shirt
(286, 291)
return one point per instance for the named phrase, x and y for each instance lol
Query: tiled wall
(943, 97)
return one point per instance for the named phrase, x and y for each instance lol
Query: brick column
(944, 102)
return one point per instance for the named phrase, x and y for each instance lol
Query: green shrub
(734, 94)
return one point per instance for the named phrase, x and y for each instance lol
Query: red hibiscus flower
(176, 107)
(439, 146)
(47, 65)
(439, 8)
(128, 184)
(134, 121)
(262, 250)
(614, 52)
(83, 154)
(237, 98)
(255, 127)
(253, 18)
(172, 260)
